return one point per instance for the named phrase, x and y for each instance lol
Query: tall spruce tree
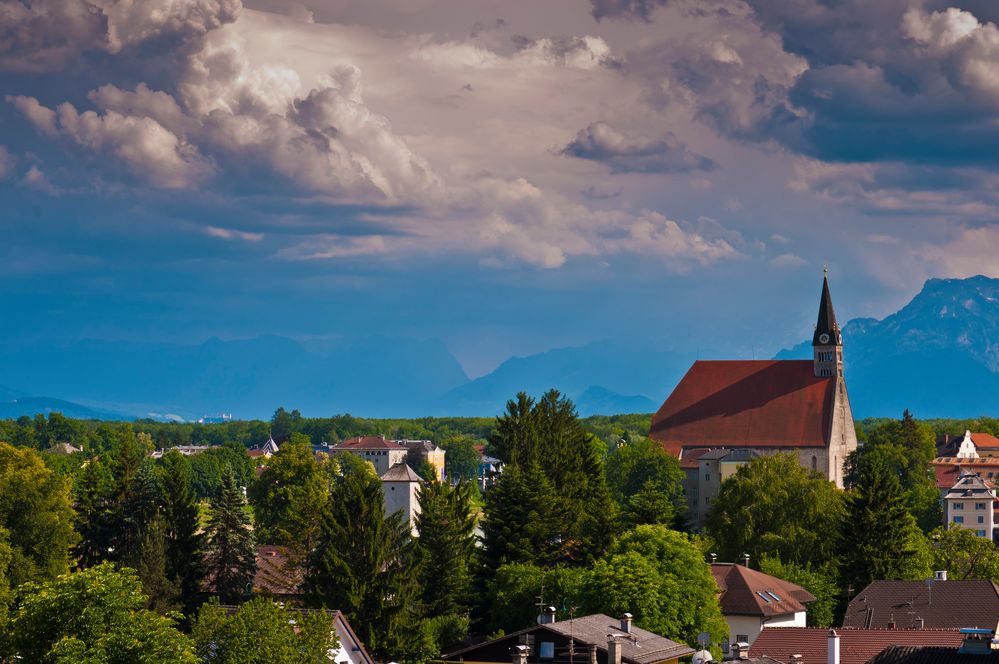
(365, 565)
(184, 544)
(94, 502)
(231, 556)
(447, 547)
(880, 538)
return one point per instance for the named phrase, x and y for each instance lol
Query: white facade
(401, 487)
(969, 504)
(967, 449)
(745, 629)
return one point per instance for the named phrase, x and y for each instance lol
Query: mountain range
(937, 356)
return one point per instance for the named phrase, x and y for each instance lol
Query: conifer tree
(880, 538)
(140, 504)
(94, 513)
(231, 558)
(365, 565)
(184, 544)
(151, 564)
(447, 547)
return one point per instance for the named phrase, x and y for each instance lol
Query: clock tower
(827, 342)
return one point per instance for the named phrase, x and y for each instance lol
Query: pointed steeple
(826, 330)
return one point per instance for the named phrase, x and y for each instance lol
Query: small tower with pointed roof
(827, 342)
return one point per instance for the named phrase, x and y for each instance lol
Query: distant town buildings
(966, 481)
(970, 504)
(767, 406)
(401, 488)
(221, 418)
(383, 454)
(186, 450)
(936, 604)
(265, 450)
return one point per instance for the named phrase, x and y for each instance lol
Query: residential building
(751, 600)
(278, 574)
(401, 486)
(424, 452)
(820, 645)
(704, 479)
(264, 450)
(490, 468)
(63, 449)
(593, 639)
(940, 604)
(970, 504)
(186, 450)
(382, 453)
(768, 406)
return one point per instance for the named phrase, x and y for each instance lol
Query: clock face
(824, 338)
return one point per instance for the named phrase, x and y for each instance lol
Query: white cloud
(788, 260)
(232, 234)
(37, 180)
(8, 163)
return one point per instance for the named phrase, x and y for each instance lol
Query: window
(981, 533)
(765, 598)
(707, 476)
(958, 506)
(547, 650)
(979, 506)
(981, 519)
(742, 638)
(958, 519)
(815, 463)
(773, 595)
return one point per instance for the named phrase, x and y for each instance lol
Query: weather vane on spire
(825, 269)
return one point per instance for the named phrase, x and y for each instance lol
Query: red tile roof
(986, 440)
(746, 403)
(276, 572)
(692, 458)
(856, 646)
(946, 604)
(747, 592)
(947, 470)
(368, 443)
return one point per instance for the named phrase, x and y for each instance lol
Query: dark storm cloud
(602, 143)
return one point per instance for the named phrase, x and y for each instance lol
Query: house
(186, 450)
(769, 406)
(383, 454)
(278, 575)
(820, 645)
(401, 487)
(424, 452)
(970, 504)
(932, 605)
(711, 469)
(751, 600)
(593, 639)
(490, 468)
(264, 450)
(63, 449)
(975, 648)
(351, 650)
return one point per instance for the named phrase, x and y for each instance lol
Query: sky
(508, 177)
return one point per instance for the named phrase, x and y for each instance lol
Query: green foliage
(963, 554)
(231, 556)
(820, 581)
(774, 506)
(182, 539)
(262, 632)
(207, 468)
(880, 538)
(94, 504)
(646, 481)
(283, 424)
(660, 576)
(289, 498)
(151, 565)
(95, 616)
(461, 461)
(515, 590)
(365, 565)
(36, 511)
(522, 523)
(447, 547)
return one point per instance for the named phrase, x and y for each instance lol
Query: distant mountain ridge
(938, 355)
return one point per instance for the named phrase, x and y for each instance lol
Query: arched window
(815, 463)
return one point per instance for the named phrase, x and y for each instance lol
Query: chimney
(940, 575)
(593, 655)
(714, 558)
(740, 650)
(547, 616)
(891, 621)
(745, 559)
(626, 623)
(520, 654)
(918, 623)
(832, 650)
(976, 641)
(613, 649)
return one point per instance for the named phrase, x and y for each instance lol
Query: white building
(969, 504)
(383, 454)
(752, 600)
(401, 486)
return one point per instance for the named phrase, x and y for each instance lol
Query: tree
(262, 632)
(774, 506)
(447, 547)
(647, 483)
(820, 581)
(36, 511)
(660, 576)
(283, 424)
(138, 507)
(521, 525)
(290, 496)
(181, 520)
(365, 565)
(95, 615)
(515, 588)
(963, 554)
(880, 539)
(461, 461)
(94, 513)
(231, 555)
(150, 564)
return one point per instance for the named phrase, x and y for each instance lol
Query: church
(724, 412)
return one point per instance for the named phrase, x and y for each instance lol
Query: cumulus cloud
(37, 180)
(232, 234)
(788, 260)
(601, 142)
(8, 163)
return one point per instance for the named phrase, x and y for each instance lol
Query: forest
(111, 552)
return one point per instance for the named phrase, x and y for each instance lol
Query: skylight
(765, 598)
(773, 595)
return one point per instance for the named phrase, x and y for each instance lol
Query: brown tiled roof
(943, 604)
(400, 472)
(746, 403)
(747, 592)
(985, 440)
(368, 443)
(947, 470)
(931, 655)
(856, 646)
(691, 458)
(276, 573)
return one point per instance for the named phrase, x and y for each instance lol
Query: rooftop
(367, 443)
(940, 605)
(400, 472)
(747, 592)
(746, 403)
(931, 655)
(856, 646)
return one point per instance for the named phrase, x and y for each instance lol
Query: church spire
(826, 329)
